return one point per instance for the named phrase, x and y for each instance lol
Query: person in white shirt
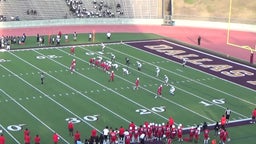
(172, 89)
(157, 71)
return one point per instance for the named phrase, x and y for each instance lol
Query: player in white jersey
(139, 65)
(157, 71)
(102, 47)
(115, 66)
(125, 71)
(184, 61)
(166, 79)
(172, 89)
(113, 57)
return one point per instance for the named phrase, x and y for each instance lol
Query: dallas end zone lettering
(224, 68)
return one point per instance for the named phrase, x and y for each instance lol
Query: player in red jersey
(2, 139)
(55, 138)
(197, 133)
(112, 75)
(206, 136)
(92, 61)
(37, 139)
(93, 134)
(27, 139)
(253, 116)
(71, 128)
(192, 133)
(76, 136)
(127, 139)
(72, 66)
(173, 132)
(225, 137)
(121, 133)
(159, 91)
(113, 137)
(72, 50)
(137, 82)
(223, 121)
(26, 132)
(179, 133)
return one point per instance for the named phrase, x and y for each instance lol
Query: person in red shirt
(92, 61)
(132, 125)
(224, 136)
(112, 75)
(179, 132)
(206, 136)
(93, 134)
(223, 121)
(121, 133)
(77, 136)
(137, 82)
(192, 133)
(72, 50)
(27, 139)
(26, 132)
(55, 138)
(2, 139)
(159, 91)
(253, 116)
(37, 139)
(113, 137)
(127, 139)
(71, 128)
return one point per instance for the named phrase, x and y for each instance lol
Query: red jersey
(137, 82)
(27, 139)
(112, 75)
(55, 138)
(26, 132)
(73, 62)
(192, 132)
(37, 139)
(77, 136)
(113, 137)
(121, 131)
(127, 139)
(94, 133)
(159, 90)
(206, 134)
(91, 60)
(72, 50)
(179, 133)
(225, 136)
(132, 125)
(254, 113)
(223, 120)
(171, 121)
(2, 139)
(196, 134)
(70, 126)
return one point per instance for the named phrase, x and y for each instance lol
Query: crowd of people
(7, 41)
(97, 9)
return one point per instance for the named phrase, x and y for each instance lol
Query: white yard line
(27, 109)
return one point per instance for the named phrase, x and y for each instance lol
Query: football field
(88, 99)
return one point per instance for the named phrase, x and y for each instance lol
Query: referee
(42, 78)
(227, 113)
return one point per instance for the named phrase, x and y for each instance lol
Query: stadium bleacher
(60, 9)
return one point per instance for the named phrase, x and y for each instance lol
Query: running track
(213, 39)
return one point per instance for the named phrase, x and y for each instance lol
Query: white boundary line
(27, 109)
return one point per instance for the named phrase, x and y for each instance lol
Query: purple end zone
(234, 72)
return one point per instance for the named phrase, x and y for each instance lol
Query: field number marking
(154, 109)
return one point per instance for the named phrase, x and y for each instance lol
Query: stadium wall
(77, 21)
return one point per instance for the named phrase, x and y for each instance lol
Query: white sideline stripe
(5, 130)
(75, 91)
(177, 87)
(199, 82)
(154, 93)
(27, 109)
(110, 88)
(47, 95)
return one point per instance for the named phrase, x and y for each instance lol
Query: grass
(90, 101)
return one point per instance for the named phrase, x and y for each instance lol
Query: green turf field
(87, 98)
